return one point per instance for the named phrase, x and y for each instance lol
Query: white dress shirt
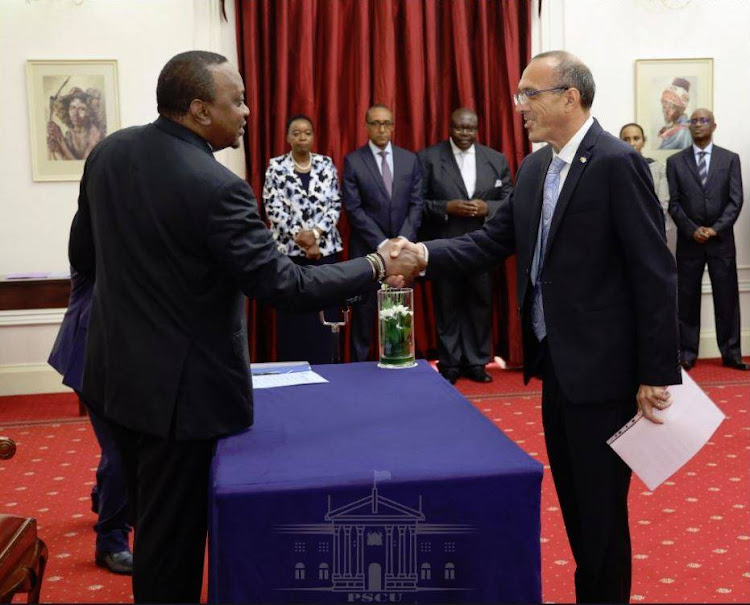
(379, 159)
(709, 148)
(467, 164)
(568, 152)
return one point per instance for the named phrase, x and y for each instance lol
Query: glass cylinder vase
(396, 327)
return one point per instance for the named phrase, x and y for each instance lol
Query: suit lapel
(577, 167)
(717, 161)
(536, 208)
(369, 161)
(448, 162)
(398, 169)
(485, 173)
(689, 158)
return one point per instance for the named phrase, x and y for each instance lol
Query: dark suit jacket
(609, 282)
(718, 206)
(373, 215)
(442, 182)
(68, 352)
(174, 239)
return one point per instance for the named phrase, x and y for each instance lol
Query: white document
(283, 374)
(269, 381)
(657, 451)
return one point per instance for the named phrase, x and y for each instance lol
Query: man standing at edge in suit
(596, 293)
(382, 194)
(705, 190)
(463, 184)
(174, 240)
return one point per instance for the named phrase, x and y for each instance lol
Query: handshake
(404, 261)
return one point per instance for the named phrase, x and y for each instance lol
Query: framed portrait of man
(667, 91)
(72, 106)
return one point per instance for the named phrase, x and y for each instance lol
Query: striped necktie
(702, 167)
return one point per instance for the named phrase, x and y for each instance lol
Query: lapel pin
(582, 159)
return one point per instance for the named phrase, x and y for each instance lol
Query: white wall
(609, 35)
(35, 216)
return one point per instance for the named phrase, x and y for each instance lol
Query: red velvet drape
(332, 59)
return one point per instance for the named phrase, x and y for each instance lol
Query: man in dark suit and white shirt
(173, 240)
(382, 194)
(705, 190)
(464, 183)
(597, 296)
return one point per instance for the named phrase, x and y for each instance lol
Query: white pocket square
(498, 183)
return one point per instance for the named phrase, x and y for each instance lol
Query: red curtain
(332, 59)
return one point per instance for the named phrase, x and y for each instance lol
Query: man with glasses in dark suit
(597, 290)
(705, 188)
(382, 194)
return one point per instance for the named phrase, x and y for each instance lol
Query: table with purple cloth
(379, 486)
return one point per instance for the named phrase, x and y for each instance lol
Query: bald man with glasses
(705, 190)
(382, 194)
(596, 293)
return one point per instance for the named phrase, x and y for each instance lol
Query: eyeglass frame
(528, 95)
(701, 120)
(377, 124)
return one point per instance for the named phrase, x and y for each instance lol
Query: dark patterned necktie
(387, 177)
(702, 167)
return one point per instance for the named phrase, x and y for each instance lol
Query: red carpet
(691, 537)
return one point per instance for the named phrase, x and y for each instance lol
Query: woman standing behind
(633, 135)
(302, 202)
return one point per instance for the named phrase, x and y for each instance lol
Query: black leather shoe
(687, 365)
(116, 562)
(735, 364)
(478, 375)
(451, 374)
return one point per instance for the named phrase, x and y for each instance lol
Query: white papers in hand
(657, 451)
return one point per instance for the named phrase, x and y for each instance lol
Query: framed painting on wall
(72, 106)
(667, 91)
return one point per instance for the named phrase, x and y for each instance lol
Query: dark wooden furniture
(47, 293)
(23, 556)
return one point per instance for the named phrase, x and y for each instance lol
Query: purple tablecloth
(379, 486)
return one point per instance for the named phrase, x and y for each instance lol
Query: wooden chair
(23, 556)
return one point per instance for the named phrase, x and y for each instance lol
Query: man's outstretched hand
(404, 261)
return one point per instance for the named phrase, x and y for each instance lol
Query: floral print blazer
(291, 209)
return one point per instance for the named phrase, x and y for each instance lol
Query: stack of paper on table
(283, 374)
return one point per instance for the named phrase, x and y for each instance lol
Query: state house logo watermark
(375, 550)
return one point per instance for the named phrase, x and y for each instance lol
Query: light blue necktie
(551, 193)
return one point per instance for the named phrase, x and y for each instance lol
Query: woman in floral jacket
(303, 205)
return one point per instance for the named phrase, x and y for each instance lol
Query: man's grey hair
(572, 73)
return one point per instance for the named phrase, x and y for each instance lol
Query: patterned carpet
(691, 537)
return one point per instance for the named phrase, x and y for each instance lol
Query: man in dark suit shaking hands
(597, 296)
(172, 240)
(464, 183)
(705, 190)
(382, 195)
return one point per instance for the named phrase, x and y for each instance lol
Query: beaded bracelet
(378, 265)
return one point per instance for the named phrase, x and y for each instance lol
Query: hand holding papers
(283, 374)
(656, 451)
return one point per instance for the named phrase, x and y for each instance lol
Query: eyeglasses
(377, 124)
(464, 128)
(695, 121)
(521, 98)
